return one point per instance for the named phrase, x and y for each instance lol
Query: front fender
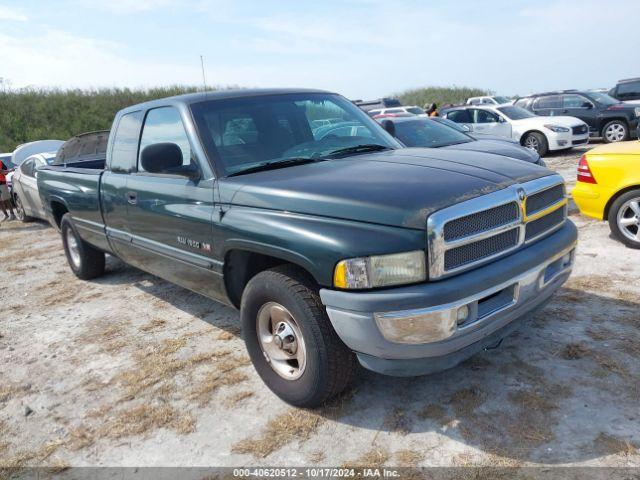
(314, 243)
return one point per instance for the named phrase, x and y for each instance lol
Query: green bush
(36, 114)
(439, 95)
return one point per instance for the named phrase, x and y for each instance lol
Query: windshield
(603, 98)
(515, 113)
(500, 100)
(449, 123)
(243, 133)
(427, 133)
(415, 110)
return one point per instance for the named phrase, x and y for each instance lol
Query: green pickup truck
(338, 246)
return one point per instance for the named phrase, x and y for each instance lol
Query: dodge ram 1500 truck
(337, 249)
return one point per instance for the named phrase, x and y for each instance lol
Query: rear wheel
(85, 261)
(615, 131)
(536, 141)
(624, 218)
(20, 212)
(290, 339)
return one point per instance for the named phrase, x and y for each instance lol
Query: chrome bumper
(435, 324)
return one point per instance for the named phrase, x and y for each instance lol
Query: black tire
(622, 202)
(19, 208)
(539, 140)
(89, 262)
(330, 365)
(622, 129)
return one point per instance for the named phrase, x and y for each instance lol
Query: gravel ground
(129, 370)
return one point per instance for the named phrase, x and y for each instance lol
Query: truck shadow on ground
(563, 388)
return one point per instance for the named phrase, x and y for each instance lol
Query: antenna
(204, 80)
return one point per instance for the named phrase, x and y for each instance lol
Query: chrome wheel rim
(615, 132)
(74, 249)
(629, 219)
(281, 341)
(19, 209)
(531, 142)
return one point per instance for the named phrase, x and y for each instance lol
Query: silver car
(25, 187)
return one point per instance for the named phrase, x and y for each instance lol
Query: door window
(629, 89)
(28, 168)
(551, 101)
(575, 101)
(164, 125)
(460, 116)
(484, 116)
(125, 143)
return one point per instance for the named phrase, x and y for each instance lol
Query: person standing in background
(6, 205)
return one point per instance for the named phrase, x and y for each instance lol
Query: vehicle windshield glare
(603, 98)
(428, 133)
(243, 133)
(515, 113)
(500, 100)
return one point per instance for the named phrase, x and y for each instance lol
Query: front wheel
(615, 131)
(536, 141)
(624, 218)
(290, 340)
(20, 212)
(85, 261)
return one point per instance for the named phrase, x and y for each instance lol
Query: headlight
(556, 128)
(380, 270)
(637, 110)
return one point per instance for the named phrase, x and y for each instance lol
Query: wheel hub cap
(74, 250)
(629, 219)
(615, 133)
(281, 341)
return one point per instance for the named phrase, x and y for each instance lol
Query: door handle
(132, 197)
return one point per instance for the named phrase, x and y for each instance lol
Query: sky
(359, 48)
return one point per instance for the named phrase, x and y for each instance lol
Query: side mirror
(588, 105)
(390, 127)
(164, 158)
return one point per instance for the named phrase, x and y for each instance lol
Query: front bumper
(380, 326)
(562, 140)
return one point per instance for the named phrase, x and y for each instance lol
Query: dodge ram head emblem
(521, 194)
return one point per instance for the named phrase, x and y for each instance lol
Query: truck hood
(498, 147)
(537, 122)
(398, 187)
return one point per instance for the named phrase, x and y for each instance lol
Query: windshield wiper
(273, 164)
(367, 147)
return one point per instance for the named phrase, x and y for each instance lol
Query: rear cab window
(124, 150)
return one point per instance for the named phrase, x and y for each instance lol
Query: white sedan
(541, 134)
(25, 186)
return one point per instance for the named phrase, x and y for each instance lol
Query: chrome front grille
(472, 252)
(541, 200)
(476, 231)
(481, 221)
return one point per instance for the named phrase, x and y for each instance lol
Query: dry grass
(237, 398)
(574, 351)
(80, 437)
(293, 425)
(143, 418)
(316, 457)
(408, 457)
(465, 401)
(212, 381)
(155, 324)
(28, 458)
(375, 458)
(606, 444)
(435, 413)
(397, 422)
(610, 365)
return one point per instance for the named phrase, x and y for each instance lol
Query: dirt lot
(129, 370)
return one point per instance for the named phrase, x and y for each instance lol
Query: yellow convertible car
(608, 188)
